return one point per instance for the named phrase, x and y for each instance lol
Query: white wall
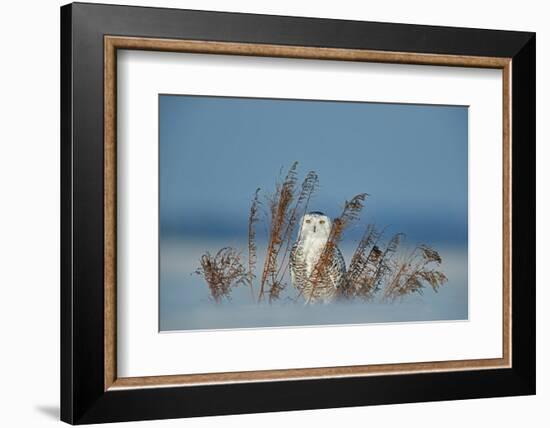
(29, 215)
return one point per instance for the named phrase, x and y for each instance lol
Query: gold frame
(112, 43)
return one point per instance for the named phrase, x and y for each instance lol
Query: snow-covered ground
(185, 303)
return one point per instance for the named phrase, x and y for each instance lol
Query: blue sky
(411, 159)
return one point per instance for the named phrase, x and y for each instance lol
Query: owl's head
(315, 224)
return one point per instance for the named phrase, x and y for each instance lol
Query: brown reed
(363, 265)
(350, 213)
(414, 272)
(222, 272)
(279, 205)
(309, 185)
(252, 250)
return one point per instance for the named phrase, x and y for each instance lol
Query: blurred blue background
(215, 151)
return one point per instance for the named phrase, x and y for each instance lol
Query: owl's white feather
(306, 251)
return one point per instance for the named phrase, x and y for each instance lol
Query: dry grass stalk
(411, 274)
(222, 272)
(363, 265)
(279, 207)
(252, 253)
(368, 271)
(384, 264)
(350, 213)
(309, 185)
(275, 290)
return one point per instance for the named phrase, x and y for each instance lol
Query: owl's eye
(308, 221)
(321, 221)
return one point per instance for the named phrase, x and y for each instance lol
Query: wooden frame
(112, 43)
(513, 53)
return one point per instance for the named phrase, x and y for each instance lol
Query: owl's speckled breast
(312, 248)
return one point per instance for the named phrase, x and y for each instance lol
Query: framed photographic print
(265, 213)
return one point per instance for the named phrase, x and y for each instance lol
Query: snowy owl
(312, 238)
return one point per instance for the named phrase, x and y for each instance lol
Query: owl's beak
(314, 229)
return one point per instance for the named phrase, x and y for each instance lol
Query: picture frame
(91, 390)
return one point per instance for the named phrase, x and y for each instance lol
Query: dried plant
(222, 272)
(374, 267)
(285, 209)
(350, 213)
(275, 290)
(411, 274)
(309, 185)
(279, 205)
(252, 255)
(366, 273)
(363, 266)
(384, 265)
